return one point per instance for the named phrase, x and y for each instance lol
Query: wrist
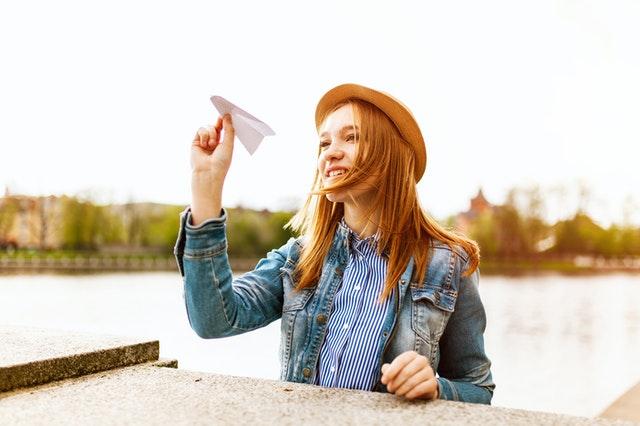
(207, 177)
(200, 214)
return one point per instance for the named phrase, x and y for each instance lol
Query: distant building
(477, 206)
(28, 221)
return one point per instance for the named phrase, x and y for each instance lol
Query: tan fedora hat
(399, 114)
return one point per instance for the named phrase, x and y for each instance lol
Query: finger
(202, 137)
(421, 376)
(417, 364)
(426, 390)
(396, 365)
(384, 367)
(213, 138)
(197, 137)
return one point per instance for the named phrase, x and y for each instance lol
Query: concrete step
(145, 394)
(32, 356)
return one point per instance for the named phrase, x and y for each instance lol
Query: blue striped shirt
(348, 354)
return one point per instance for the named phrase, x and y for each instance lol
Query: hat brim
(399, 114)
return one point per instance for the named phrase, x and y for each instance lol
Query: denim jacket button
(306, 372)
(321, 319)
(339, 270)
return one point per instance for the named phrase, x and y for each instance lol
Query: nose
(333, 152)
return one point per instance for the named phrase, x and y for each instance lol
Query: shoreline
(98, 263)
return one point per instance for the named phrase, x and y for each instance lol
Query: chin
(335, 198)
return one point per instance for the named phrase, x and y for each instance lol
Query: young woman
(374, 295)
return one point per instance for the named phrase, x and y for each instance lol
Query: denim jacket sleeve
(218, 305)
(464, 368)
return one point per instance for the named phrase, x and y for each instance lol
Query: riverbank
(576, 266)
(81, 262)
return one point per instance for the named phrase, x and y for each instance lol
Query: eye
(352, 137)
(324, 144)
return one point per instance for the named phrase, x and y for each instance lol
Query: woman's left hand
(411, 376)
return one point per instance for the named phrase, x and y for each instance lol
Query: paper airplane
(249, 130)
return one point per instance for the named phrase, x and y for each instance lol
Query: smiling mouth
(334, 173)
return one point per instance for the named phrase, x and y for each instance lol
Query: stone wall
(50, 377)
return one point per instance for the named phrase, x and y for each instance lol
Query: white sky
(105, 98)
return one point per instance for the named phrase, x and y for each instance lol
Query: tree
(161, 228)
(578, 235)
(83, 224)
(8, 210)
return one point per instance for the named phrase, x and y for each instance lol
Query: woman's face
(339, 139)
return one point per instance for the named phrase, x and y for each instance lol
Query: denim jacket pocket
(294, 300)
(431, 308)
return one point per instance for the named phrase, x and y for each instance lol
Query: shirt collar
(355, 242)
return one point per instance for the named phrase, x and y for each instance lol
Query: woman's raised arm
(210, 161)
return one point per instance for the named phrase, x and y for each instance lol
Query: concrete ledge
(625, 407)
(30, 356)
(151, 395)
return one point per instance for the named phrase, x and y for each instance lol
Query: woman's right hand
(210, 156)
(210, 161)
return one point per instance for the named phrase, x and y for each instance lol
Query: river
(563, 344)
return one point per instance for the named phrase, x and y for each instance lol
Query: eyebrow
(343, 130)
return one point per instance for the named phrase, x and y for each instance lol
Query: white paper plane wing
(249, 130)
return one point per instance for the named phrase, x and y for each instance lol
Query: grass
(73, 254)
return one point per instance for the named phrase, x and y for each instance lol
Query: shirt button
(321, 319)
(306, 372)
(344, 327)
(332, 369)
(356, 288)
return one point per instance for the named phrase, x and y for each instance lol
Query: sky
(102, 99)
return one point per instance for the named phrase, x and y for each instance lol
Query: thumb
(229, 134)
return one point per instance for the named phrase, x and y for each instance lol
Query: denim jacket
(440, 317)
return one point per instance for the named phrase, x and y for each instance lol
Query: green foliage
(252, 234)
(161, 228)
(111, 229)
(276, 223)
(579, 235)
(510, 231)
(86, 226)
(81, 224)
(484, 231)
(517, 230)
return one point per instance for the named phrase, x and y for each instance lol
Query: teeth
(336, 173)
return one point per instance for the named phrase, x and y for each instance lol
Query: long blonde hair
(405, 230)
